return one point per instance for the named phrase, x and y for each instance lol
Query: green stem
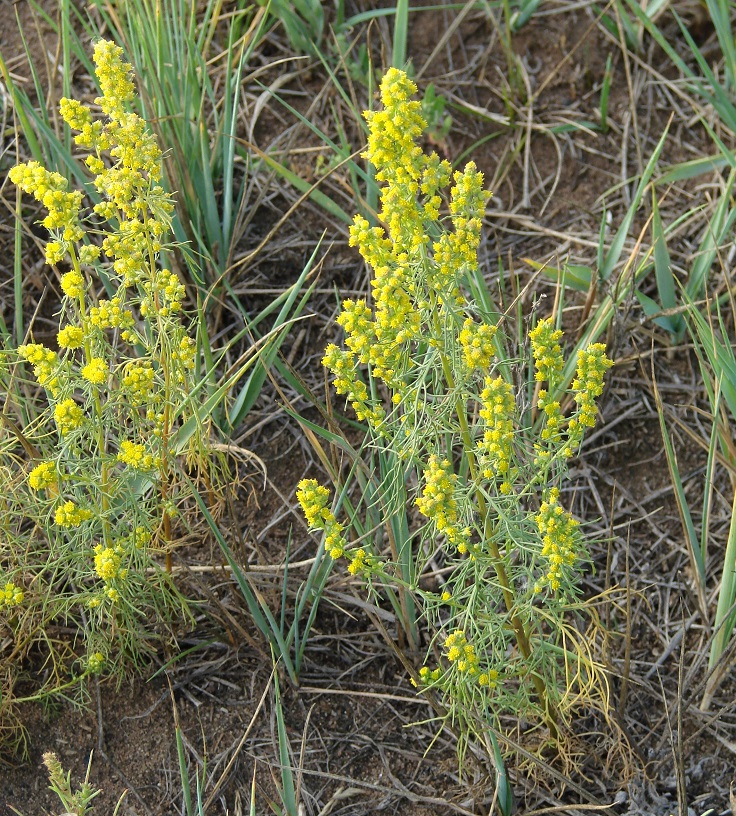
(507, 589)
(99, 429)
(166, 423)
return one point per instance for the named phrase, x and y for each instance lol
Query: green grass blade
(709, 485)
(183, 772)
(725, 617)
(718, 232)
(401, 32)
(696, 167)
(324, 201)
(688, 528)
(259, 611)
(611, 258)
(288, 788)
(662, 264)
(504, 790)
(720, 15)
(289, 312)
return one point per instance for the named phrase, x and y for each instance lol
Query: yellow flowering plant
(101, 487)
(461, 521)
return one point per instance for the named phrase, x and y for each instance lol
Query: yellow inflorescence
(476, 341)
(107, 563)
(68, 416)
(70, 337)
(186, 353)
(399, 161)
(427, 675)
(587, 387)
(134, 455)
(496, 445)
(488, 679)
(72, 284)
(548, 364)
(138, 380)
(342, 364)
(110, 314)
(42, 476)
(547, 352)
(357, 563)
(439, 504)
(95, 371)
(559, 531)
(96, 662)
(71, 515)
(412, 273)
(166, 294)
(456, 252)
(313, 499)
(360, 332)
(51, 189)
(11, 595)
(461, 653)
(45, 364)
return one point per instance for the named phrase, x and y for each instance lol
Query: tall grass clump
(461, 522)
(93, 473)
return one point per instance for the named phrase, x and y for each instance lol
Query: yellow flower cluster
(476, 341)
(488, 679)
(457, 251)
(71, 515)
(313, 499)
(438, 502)
(411, 273)
(185, 354)
(587, 387)
(42, 476)
(138, 381)
(461, 653)
(95, 662)
(435, 175)
(125, 137)
(72, 284)
(548, 364)
(427, 675)
(343, 366)
(360, 333)
(95, 371)
(134, 455)
(70, 337)
(357, 563)
(11, 595)
(45, 364)
(139, 537)
(495, 447)
(110, 314)
(547, 352)
(78, 117)
(399, 161)
(132, 197)
(107, 563)
(559, 531)
(51, 189)
(89, 253)
(68, 416)
(166, 294)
